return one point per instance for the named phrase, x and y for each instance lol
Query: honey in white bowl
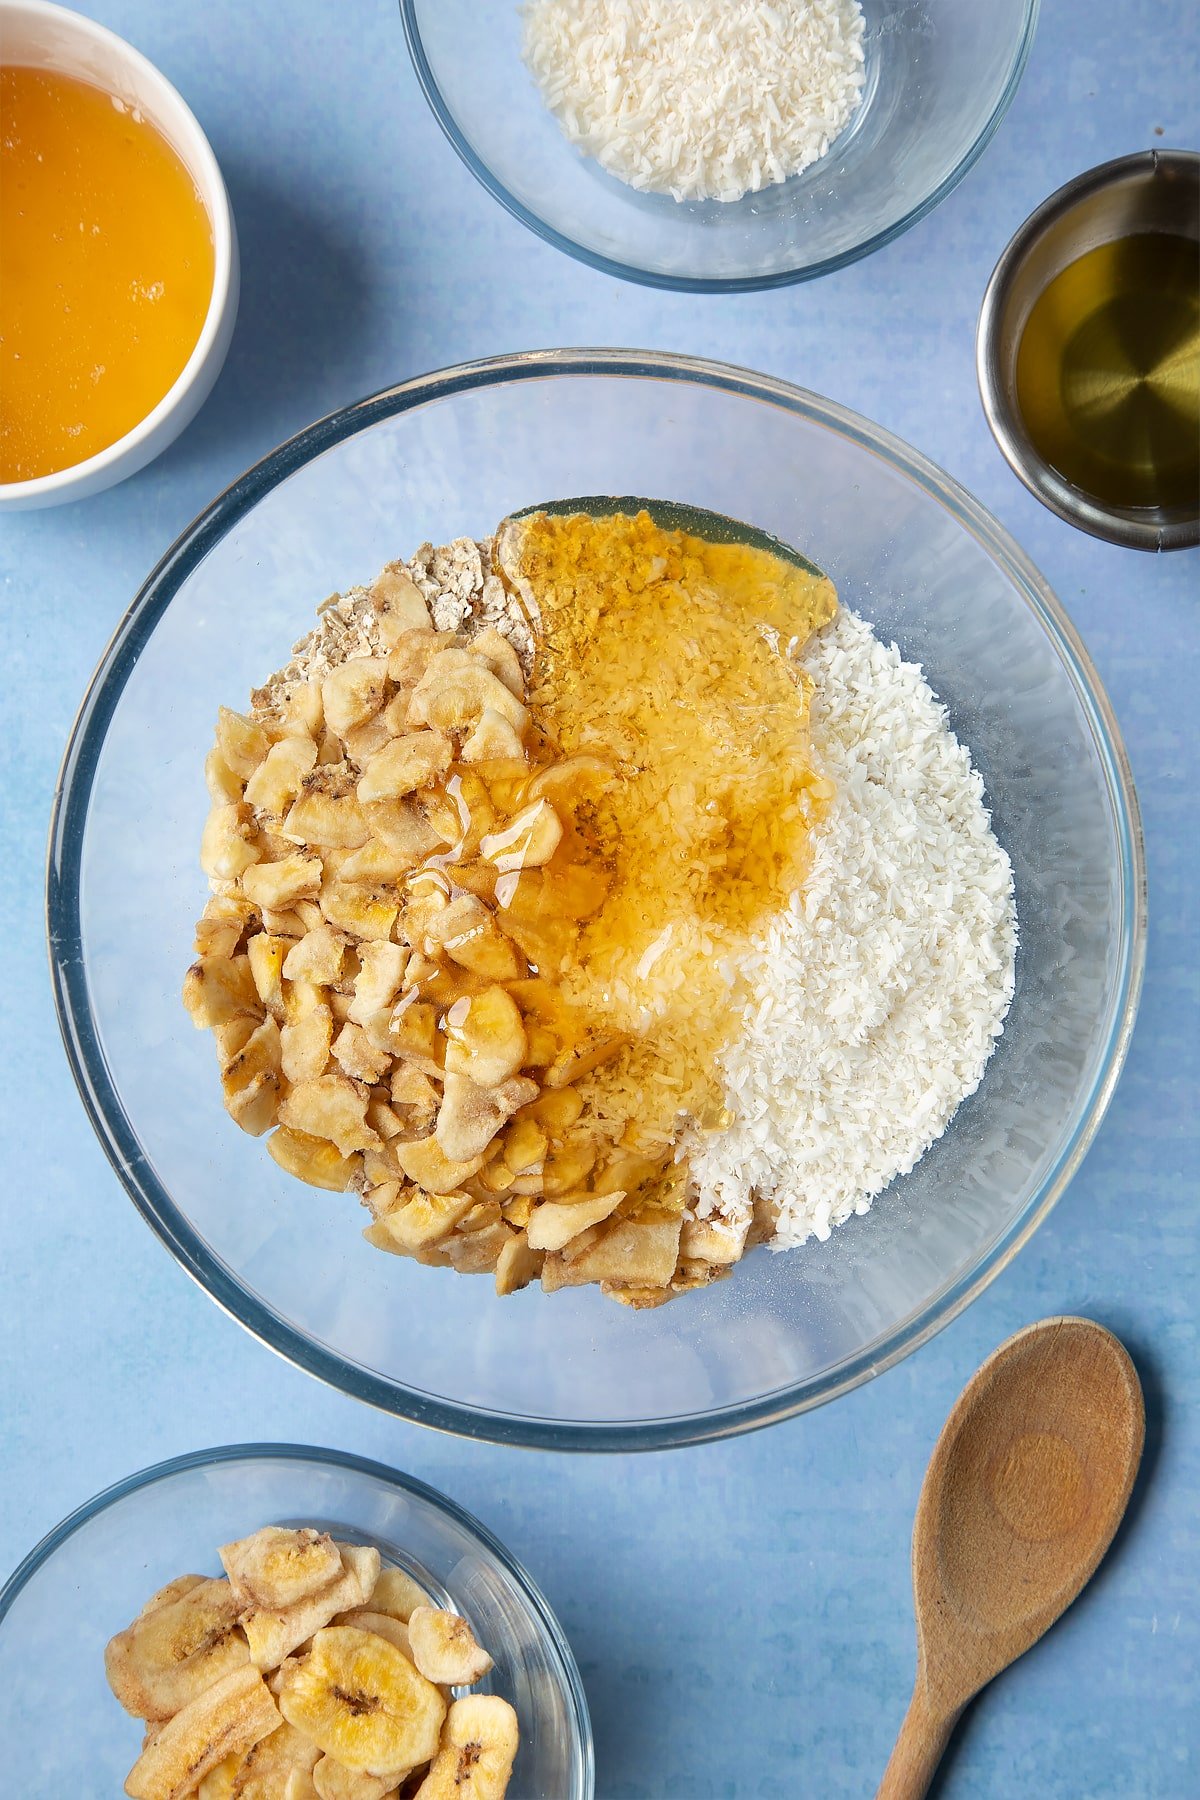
(106, 270)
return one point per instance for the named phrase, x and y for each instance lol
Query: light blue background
(741, 1613)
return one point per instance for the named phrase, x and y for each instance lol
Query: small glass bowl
(63, 1731)
(939, 79)
(449, 455)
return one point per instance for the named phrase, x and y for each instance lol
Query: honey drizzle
(672, 659)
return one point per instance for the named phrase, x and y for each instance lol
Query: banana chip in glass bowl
(372, 1642)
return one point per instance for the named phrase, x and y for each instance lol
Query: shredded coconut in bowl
(699, 99)
(872, 1005)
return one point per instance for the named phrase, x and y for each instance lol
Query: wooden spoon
(1025, 1488)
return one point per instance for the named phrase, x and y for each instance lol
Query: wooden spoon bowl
(1025, 1489)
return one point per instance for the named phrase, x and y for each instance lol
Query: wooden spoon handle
(923, 1737)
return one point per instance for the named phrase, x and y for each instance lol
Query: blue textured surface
(741, 1613)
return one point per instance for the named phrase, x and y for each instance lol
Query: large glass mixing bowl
(939, 77)
(451, 454)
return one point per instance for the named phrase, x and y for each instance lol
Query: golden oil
(1108, 372)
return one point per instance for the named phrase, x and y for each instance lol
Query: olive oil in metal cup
(1088, 351)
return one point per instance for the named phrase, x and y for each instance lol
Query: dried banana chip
(476, 1252)
(713, 1240)
(333, 1781)
(173, 1590)
(479, 1746)
(262, 1773)
(399, 604)
(397, 1593)
(485, 1037)
(526, 842)
(242, 743)
(277, 1567)
(175, 1650)
(553, 1224)
(217, 989)
(405, 765)
(357, 1056)
(281, 884)
(277, 781)
(517, 1265)
(332, 1107)
(267, 952)
(313, 1160)
(250, 1079)
(455, 698)
(470, 1116)
(494, 739)
(353, 692)
(363, 1618)
(318, 957)
(379, 978)
(421, 1222)
(426, 1163)
(227, 1718)
(639, 1252)
(274, 1632)
(363, 1703)
(445, 1649)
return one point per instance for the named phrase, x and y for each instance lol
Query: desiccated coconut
(871, 1006)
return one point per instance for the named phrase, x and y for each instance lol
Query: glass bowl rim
(710, 284)
(538, 1606)
(72, 1002)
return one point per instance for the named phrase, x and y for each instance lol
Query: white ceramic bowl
(38, 35)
